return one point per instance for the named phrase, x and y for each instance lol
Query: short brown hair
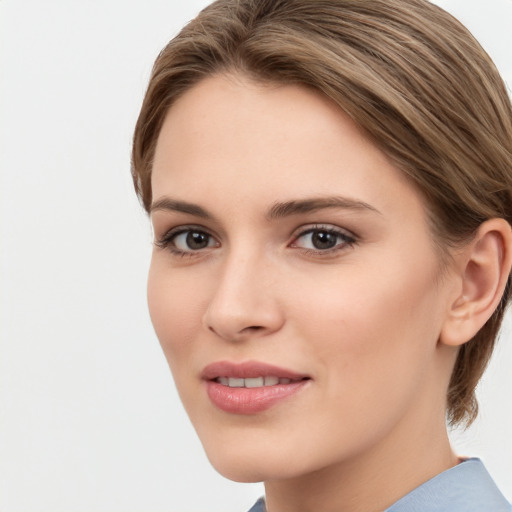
(406, 72)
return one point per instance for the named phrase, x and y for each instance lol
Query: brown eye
(192, 240)
(323, 239)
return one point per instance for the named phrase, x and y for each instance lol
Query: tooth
(223, 380)
(271, 381)
(254, 382)
(284, 381)
(234, 382)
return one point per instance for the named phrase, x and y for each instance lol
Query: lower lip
(250, 400)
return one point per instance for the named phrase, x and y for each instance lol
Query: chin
(261, 460)
(250, 464)
(238, 465)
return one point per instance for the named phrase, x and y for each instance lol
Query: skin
(363, 320)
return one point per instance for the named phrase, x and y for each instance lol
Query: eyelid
(331, 228)
(166, 240)
(349, 238)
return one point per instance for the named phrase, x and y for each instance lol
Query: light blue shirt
(467, 487)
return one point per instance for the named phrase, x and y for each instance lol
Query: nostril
(238, 335)
(252, 328)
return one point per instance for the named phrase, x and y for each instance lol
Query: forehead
(259, 143)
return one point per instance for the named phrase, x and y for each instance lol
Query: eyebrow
(166, 203)
(277, 211)
(297, 207)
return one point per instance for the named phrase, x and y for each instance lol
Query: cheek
(175, 310)
(372, 342)
(371, 322)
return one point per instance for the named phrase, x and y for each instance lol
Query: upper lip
(248, 369)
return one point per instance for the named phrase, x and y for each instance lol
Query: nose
(244, 303)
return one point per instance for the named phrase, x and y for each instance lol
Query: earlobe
(485, 265)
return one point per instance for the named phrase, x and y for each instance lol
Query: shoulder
(467, 487)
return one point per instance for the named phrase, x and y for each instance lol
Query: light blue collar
(466, 487)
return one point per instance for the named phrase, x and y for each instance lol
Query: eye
(323, 239)
(192, 241)
(187, 240)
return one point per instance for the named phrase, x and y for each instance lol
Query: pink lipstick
(250, 387)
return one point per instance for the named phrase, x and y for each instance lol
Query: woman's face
(294, 285)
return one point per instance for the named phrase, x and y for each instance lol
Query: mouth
(251, 387)
(254, 382)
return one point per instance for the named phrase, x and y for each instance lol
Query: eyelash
(168, 240)
(347, 240)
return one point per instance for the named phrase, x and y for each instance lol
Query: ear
(484, 267)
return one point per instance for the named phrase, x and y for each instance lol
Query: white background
(89, 418)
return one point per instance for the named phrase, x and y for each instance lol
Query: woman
(330, 188)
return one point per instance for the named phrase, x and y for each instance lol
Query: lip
(247, 370)
(250, 400)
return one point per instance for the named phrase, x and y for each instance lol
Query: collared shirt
(467, 487)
